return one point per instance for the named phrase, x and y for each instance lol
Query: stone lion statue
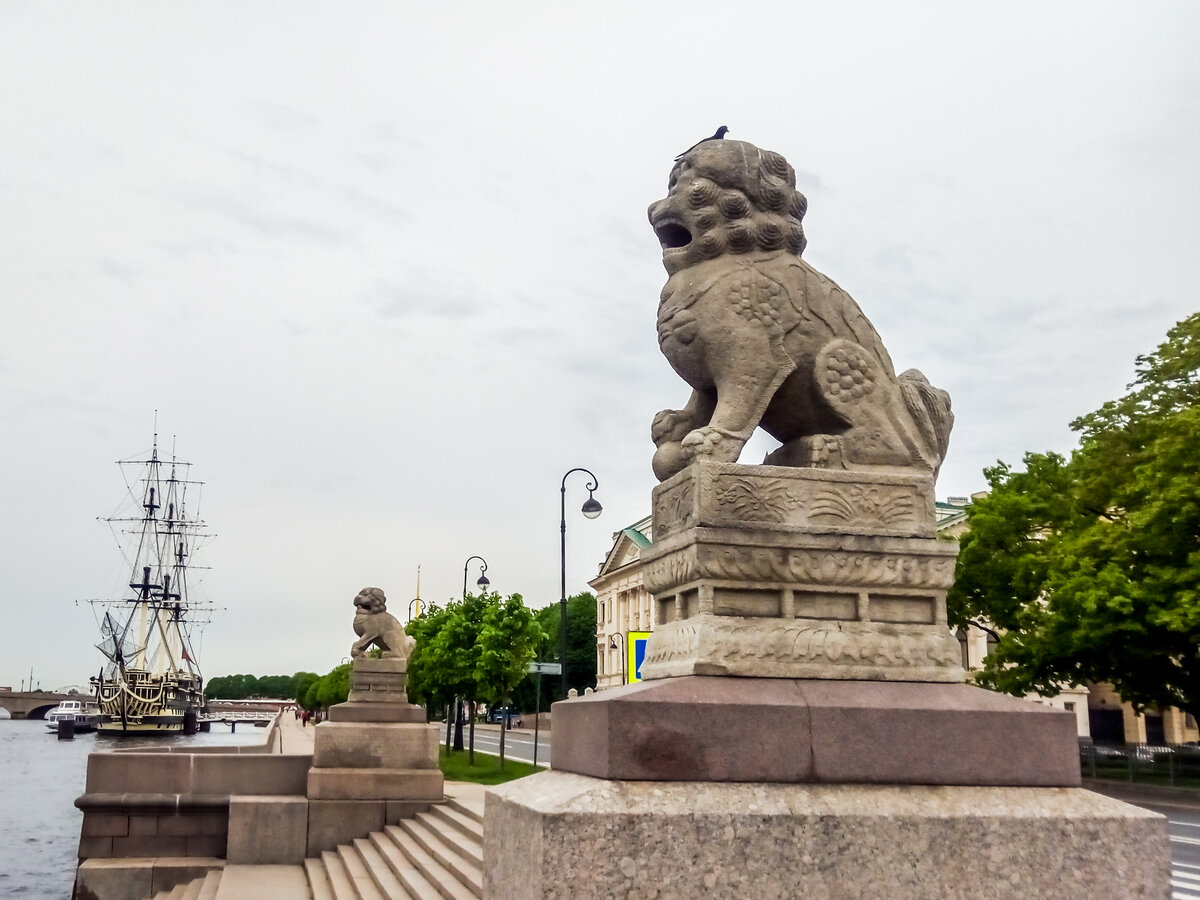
(375, 625)
(765, 339)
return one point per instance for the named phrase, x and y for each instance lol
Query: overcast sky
(384, 270)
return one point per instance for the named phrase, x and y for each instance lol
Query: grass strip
(486, 769)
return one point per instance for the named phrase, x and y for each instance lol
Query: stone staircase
(438, 854)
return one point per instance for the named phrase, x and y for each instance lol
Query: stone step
(259, 882)
(318, 880)
(450, 883)
(419, 887)
(464, 822)
(178, 891)
(472, 807)
(440, 844)
(192, 889)
(381, 874)
(468, 845)
(339, 880)
(208, 888)
(364, 887)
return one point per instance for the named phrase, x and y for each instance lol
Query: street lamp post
(483, 579)
(591, 508)
(617, 642)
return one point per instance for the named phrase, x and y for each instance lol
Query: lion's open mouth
(673, 236)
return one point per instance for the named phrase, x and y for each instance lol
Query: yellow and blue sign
(635, 650)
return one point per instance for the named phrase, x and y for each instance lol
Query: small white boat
(84, 713)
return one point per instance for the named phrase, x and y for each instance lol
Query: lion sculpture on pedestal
(375, 625)
(765, 339)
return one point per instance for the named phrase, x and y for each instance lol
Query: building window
(1069, 706)
(962, 645)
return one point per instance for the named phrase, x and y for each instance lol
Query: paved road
(1183, 825)
(517, 744)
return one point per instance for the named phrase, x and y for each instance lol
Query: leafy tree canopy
(244, 687)
(508, 643)
(581, 644)
(1091, 566)
(477, 648)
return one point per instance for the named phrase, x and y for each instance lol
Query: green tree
(241, 687)
(312, 697)
(447, 654)
(302, 681)
(427, 682)
(581, 647)
(1091, 567)
(334, 687)
(217, 688)
(508, 643)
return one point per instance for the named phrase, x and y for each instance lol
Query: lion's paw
(670, 425)
(712, 444)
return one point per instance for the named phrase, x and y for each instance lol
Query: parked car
(500, 713)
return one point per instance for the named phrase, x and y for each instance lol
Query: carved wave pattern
(804, 643)
(828, 567)
(669, 572)
(863, 506)
(764, 500)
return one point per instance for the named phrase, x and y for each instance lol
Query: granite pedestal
(804, 728)
(558, 835)
(375, 760)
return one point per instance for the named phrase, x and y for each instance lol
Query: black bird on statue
(719, 135)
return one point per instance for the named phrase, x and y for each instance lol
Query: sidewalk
(295, 739)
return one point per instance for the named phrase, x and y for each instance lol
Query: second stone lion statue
(765, 339)
(375, 625)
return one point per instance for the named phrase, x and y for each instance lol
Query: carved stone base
(803, 648)
(764, 571)
(379, 680)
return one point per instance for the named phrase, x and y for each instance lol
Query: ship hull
(149, 705)
(152, 725)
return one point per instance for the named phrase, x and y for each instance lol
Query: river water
(40, 777)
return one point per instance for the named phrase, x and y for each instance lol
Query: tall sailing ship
(150, 682)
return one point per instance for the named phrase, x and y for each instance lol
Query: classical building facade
(622, 603)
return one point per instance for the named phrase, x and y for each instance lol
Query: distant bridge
(33, 704)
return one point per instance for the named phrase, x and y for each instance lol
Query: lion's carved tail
(930, 409)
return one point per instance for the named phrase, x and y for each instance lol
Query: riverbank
(40, 777)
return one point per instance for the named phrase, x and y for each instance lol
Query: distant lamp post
(591, 508)
(483, 579)
(617, 642)
(415, 601)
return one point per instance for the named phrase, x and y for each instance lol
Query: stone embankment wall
(174, 802)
